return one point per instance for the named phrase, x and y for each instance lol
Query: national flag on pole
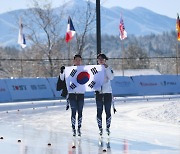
(123, 33)
(80, 79)
(178, 27)
(70, 30)
(21, 36)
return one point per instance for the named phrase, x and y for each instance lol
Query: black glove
(62, 69)
(67, 107)
(114, 110)
(97, 92)
(67, 104)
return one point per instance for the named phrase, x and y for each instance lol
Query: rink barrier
(5, 95)
(157, 84)
(28, 89)
(19, 89)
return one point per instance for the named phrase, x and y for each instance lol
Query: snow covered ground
(142, 125)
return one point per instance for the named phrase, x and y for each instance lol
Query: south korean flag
(80, 79)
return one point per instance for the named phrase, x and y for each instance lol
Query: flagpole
(122, 48)
(21, 64)
(177, 56)
(22, 42)
(123, 35)
(178, 39)
(20, 22)
(69, 50)
(69, 36)
(98, 26)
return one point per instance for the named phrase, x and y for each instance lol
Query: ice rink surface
(43, 127)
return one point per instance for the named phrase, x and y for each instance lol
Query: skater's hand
(62, 69)
(114, 110)
(97, 92)
(67, 107)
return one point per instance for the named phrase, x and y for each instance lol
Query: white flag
(21, 36)
(80, 79)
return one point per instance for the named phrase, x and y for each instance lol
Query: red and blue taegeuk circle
(83, 78)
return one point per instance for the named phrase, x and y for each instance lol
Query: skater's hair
(103, 56)
(78, 55)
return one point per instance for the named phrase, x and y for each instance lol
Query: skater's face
(101, 61)
(77, 61)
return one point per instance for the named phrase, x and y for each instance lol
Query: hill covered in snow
(138, 21)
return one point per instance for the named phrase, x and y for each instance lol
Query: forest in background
(143, 52)
(48, 51)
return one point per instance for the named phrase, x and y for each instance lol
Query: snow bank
(168, 112)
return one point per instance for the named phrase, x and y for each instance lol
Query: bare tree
(43, 26)
(8, 62)
(1, 65)
(136, 57)
(86, 17)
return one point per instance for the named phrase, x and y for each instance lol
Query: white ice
(142, 125)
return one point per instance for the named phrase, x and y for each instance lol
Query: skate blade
(101, 144)
(108, 145)
(101, 141)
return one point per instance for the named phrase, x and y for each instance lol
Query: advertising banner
(52, 83)
(4, 92)
(123, 86)
(29, 88)
(157, 84)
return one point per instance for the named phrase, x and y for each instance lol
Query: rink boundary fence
(21, 89)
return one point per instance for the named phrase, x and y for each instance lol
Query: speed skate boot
(74, 132)
(100, 131)
(108, 131)
(79, 132)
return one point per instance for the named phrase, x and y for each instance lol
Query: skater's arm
(109, 73)
(62, 74)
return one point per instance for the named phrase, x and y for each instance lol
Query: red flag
(178, 27)
(123, 33)
(70, 30)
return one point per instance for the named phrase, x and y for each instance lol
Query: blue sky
(164, 7)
